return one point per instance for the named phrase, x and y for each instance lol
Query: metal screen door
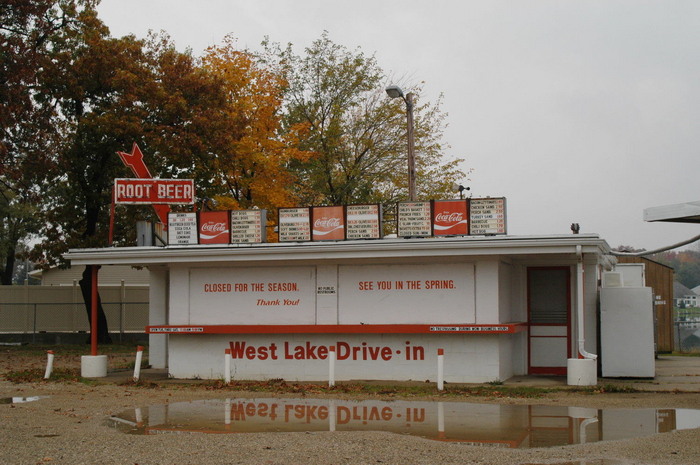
(549, 318)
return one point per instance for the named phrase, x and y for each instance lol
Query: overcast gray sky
(575, 111)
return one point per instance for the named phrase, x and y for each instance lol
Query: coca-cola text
(449, 217)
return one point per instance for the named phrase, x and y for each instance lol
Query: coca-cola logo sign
(449, 217)
(213, 227)
(327, 223)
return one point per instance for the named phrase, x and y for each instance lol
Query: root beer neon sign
(153, 191)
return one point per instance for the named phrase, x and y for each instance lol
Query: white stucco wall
(468, 358)
(292, 288)
(158, 315)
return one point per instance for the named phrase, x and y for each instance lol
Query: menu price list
(294, 224)
(248, 226)
(362, 222)
(488, 216)
(182, 228)
(414, 219)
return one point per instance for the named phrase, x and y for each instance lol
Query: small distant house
(109, 276)
(684, 297)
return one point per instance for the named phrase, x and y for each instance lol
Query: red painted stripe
(508, 328)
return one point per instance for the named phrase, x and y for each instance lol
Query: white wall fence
(50, 309)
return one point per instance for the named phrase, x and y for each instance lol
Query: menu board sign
(487, 216)
(294, 224)
(450, 218)
(182, 228)
(328, 223)
(214, 227)
(363, 222)
(414, 219)
(248, 226)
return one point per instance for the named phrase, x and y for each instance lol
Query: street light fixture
(460, 188)
(396, 92)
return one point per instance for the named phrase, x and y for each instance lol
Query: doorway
(549, 319)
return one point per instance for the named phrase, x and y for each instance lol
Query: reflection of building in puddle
(582, 462)
(476, 424)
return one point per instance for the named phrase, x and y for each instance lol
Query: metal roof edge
(687, 212)
(469, 245)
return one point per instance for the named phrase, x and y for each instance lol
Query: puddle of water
(19, 400)
(475, 424)
(582, 462)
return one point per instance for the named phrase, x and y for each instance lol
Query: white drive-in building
(498, 306)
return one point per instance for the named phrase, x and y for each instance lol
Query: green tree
(358, 134)
(113, 92)
(30, 35)
(179, 106)
(17, 220)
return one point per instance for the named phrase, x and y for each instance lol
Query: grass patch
(130, 365)
(605, 389)
(694, 353)
(140, 384)
(67, 350)
(36, 374)
(27, 363)
(380, 390)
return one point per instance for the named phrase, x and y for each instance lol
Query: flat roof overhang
(347, 250)
(688, 212)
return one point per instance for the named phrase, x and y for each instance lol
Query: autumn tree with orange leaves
(253, 130)
(251, 156)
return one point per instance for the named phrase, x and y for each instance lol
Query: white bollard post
(137, 363)
(227, 366)
(331, 415)
(331, 366)
(441, 420)
(227, 414)
(441, 364)
(49, 364)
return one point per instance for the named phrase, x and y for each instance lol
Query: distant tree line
(686, 264)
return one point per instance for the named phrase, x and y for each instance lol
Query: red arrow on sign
(134, 160)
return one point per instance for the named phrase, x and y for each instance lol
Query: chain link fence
(687, 336)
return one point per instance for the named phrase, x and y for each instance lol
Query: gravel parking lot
(70, 427)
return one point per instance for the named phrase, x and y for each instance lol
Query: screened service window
(548, 292)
